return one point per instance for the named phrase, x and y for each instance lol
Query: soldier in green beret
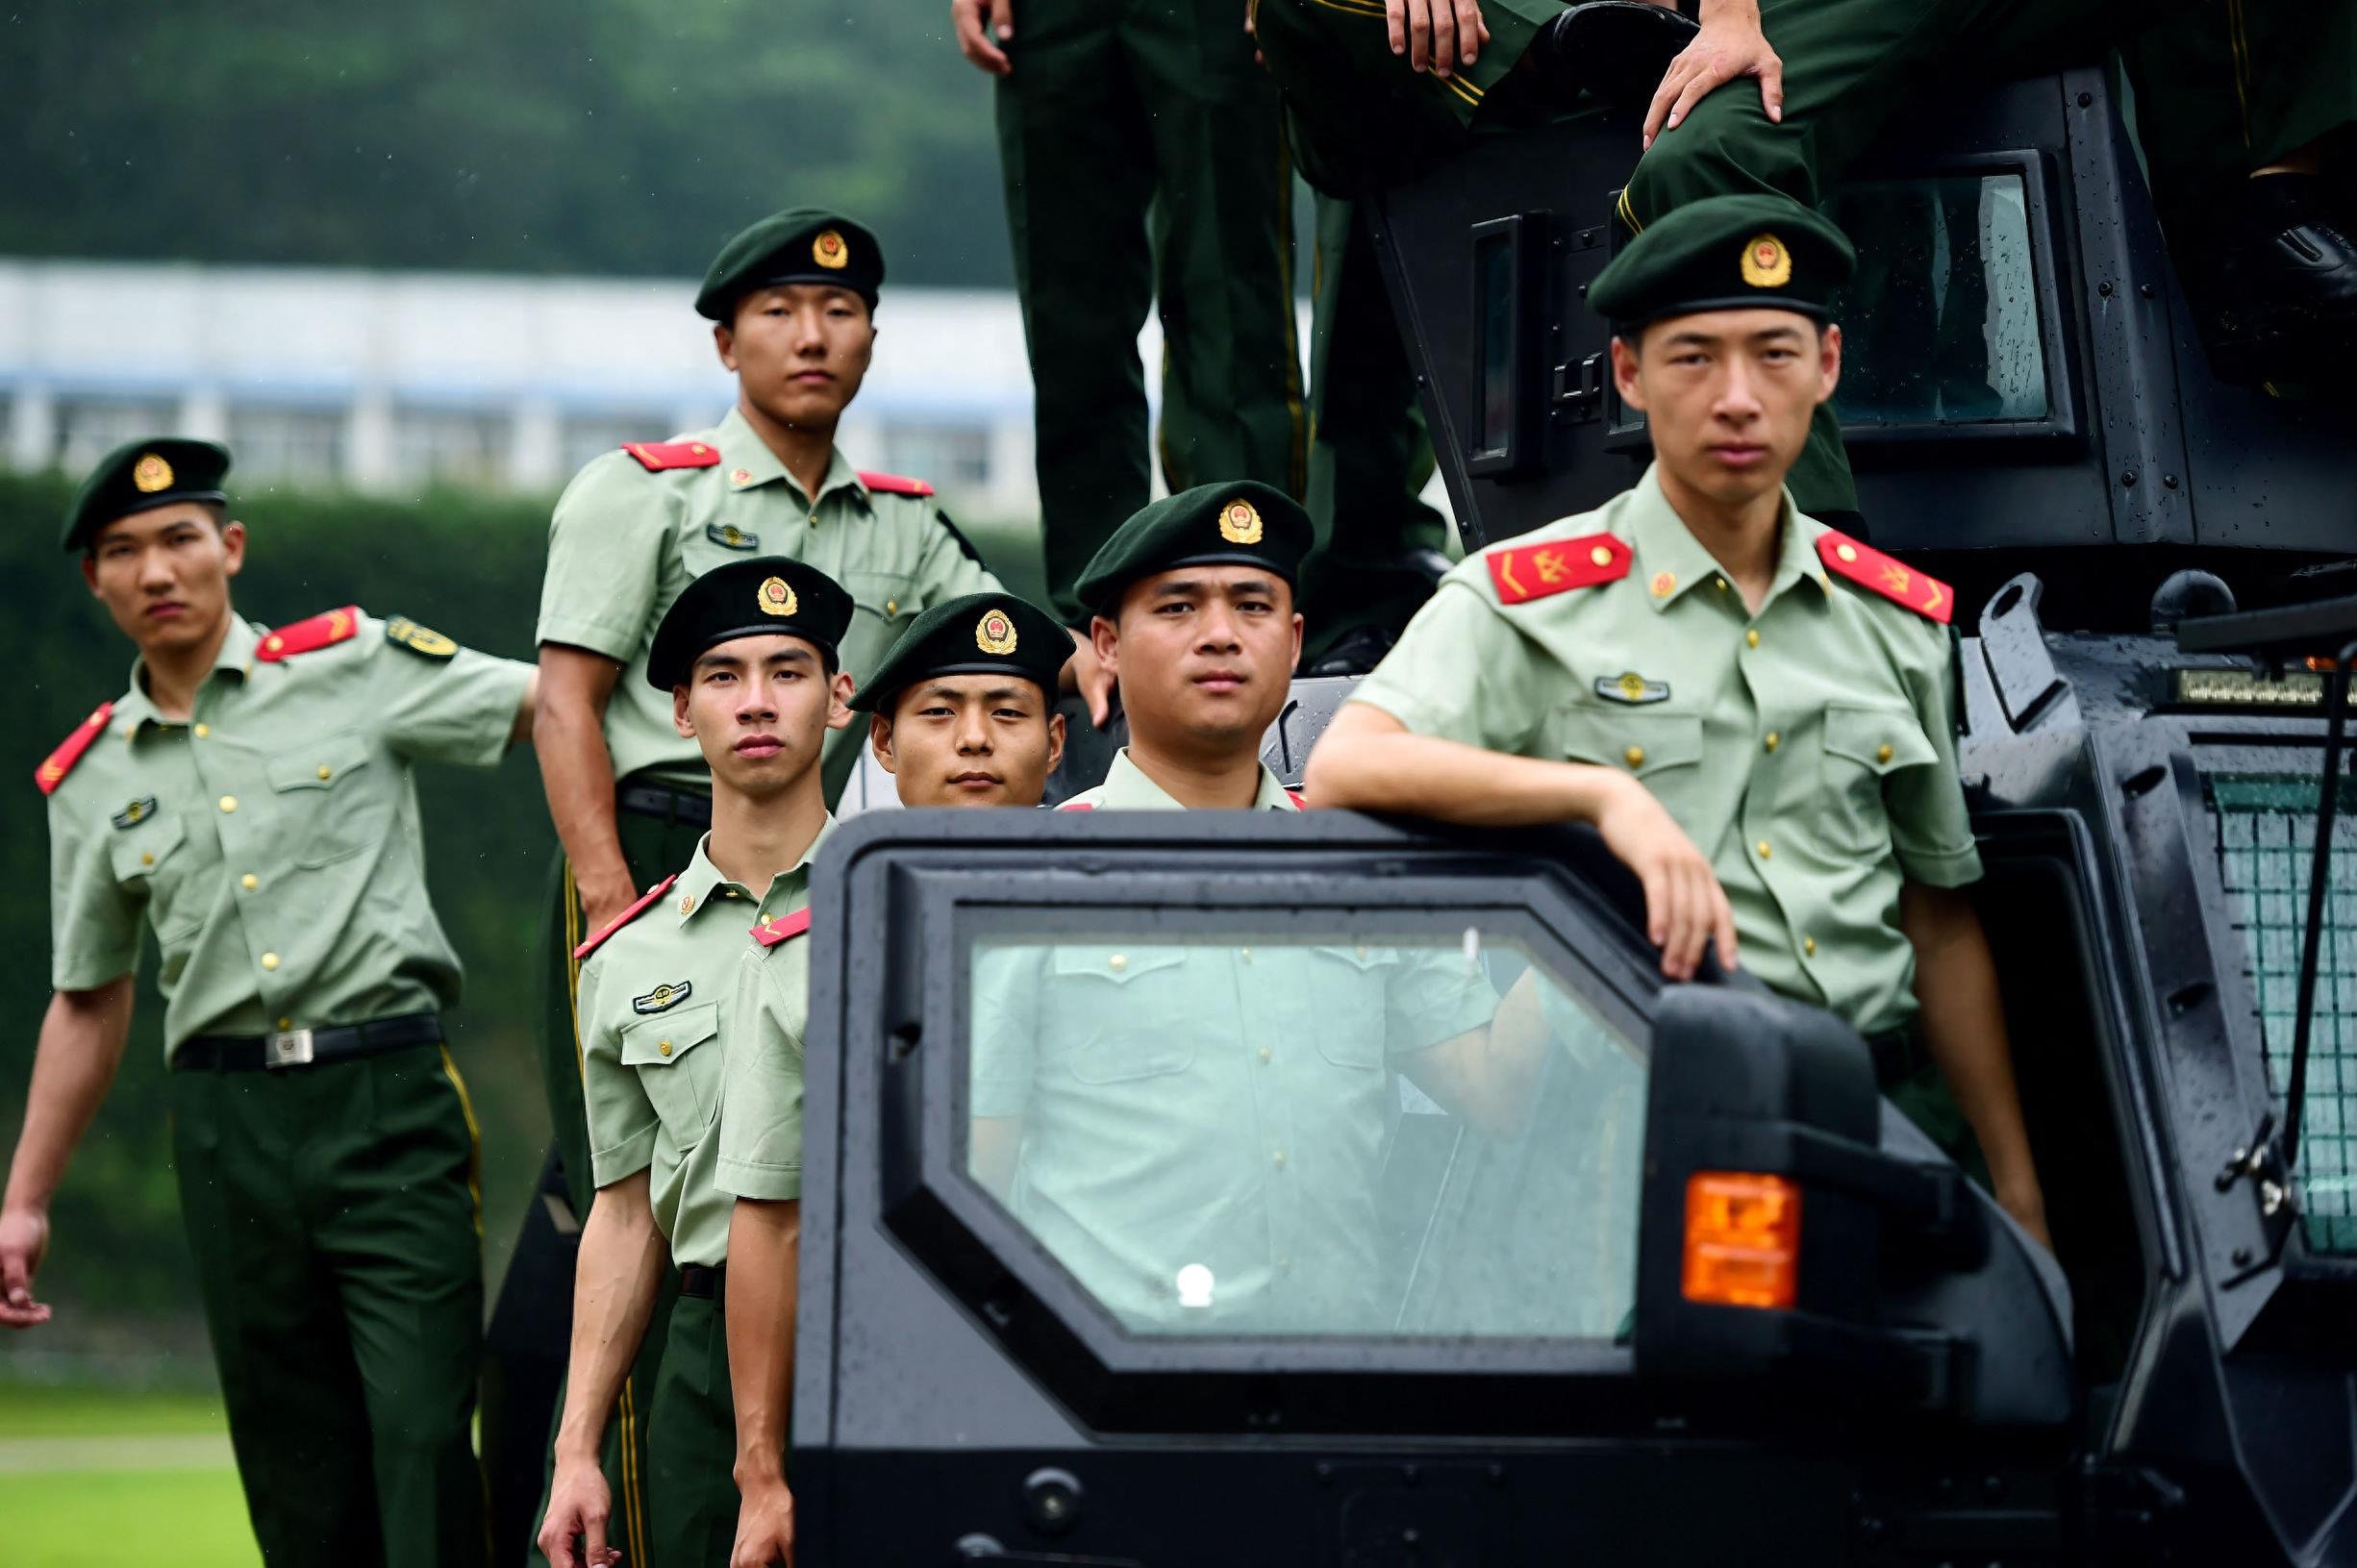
(1701, 645)
(792, 304)
(251, 799)
(748, 654)
(963, 709)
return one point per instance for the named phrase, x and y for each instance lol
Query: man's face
(758, 707)
(163, 574)
(1204, 656)
(1728, 395)
(800, 351)
(970, 740)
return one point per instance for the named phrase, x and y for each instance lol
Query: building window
(302, 446)
(457, 447)
(595, 435)
(87, 430)
(950, 456)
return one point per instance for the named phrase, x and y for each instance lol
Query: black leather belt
(705, 1284)
(1899, 1054)
(305, 1047)
(664, 803)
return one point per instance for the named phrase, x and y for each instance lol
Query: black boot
(2290, 281)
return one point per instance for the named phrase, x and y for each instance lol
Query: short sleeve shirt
(272, 840)
(1809, 750)
(626, 540)
(1223, 1105)
(656, 1009)
(761, 1098)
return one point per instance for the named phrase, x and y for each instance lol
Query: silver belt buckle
(288, 1048)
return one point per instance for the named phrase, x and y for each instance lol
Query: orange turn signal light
(1742, 1240)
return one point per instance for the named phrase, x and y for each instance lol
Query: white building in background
(395, 382)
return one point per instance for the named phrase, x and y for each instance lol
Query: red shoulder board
(894, 483)
(782, 928)
(656, 456)
(625, 917)
(1877, 573)
(309, 635)
(1537, 571)
(59, 762)
(1077, 805)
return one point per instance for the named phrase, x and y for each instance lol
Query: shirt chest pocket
(888, 599)
(1123, 1013)
(678, 1066)
(1337, 998)
(1662, 751)
(327, 808)
(154, 861)
(1865, 745)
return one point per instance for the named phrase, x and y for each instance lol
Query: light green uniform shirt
(1808, 750)
(657, 1013)
(760, 1097)
(625, 541)
(1215, 1106)
(272, 840)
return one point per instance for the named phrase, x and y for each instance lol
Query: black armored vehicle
(1701, 1296)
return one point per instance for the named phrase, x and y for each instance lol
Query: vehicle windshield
(1312, 1132)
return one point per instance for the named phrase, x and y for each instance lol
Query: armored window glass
(1319, 1126)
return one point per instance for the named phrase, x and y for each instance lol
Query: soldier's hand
(603, 900)
(24, 1241)
(1685, 907)
(580, 1504)
(983, 25)
(1436, 35)
(1086, 675)
(764, 1528)
(1729, 45)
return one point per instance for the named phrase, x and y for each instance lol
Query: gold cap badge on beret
(1767, 263)
(829, 251)
(776, 597)
(1239, 523)
(995, 634)
(152, 474)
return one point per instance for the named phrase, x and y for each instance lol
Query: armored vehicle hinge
(1579, 391)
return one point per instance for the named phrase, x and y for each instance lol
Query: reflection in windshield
(1269, 1136)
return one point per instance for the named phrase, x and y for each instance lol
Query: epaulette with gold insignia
(615, 924)
(310, 634)
(1877, 573)
(59, 762)
(1537, 571)
(894, 483)
(657, 456)
(782, 928)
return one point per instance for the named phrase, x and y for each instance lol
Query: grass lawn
(96, 1477)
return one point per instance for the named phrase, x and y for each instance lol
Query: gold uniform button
(663, 1046)
(326, 772)
(1248, 955)
(1265, 1056)
(1808, 945)
(1719, 583)
(1764, 850)
(1601, 555)
(229, 802)
(276, 643)
(249, 881)
(146, 858)
(1635, 755)
(892, 607)
(1277, 1158)
(286, 1022)
(1771, 740)
(1119, 961)
(269, 960)
(203, 730)
(1752, 636)
(1847, 552)
(686, 904)
(1882, 753)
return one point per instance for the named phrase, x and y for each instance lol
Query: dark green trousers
(535, 1314)
(333, 1213)
(692, 1438)
(1145, 163)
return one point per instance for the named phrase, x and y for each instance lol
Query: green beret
(1727, 253)
(1242, 523)
(766, 596)
(802, 244)
(140, 477)
(980, 633)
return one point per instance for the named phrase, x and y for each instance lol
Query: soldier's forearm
(577, 773)
(1963, 1031)
(1369, 762)
(615, 1282)
(764, 1241)
(81, 1045)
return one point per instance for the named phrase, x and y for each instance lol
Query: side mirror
(1795, 1230)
